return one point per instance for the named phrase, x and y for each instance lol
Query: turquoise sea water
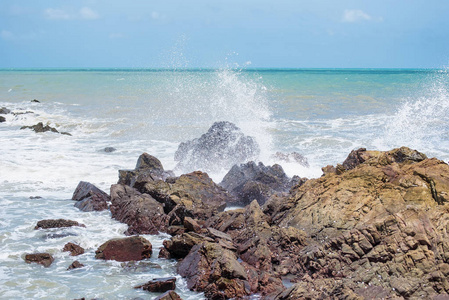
(322, 114)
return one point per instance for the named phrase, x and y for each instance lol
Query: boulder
(89, 197)
(142, 213)
(75, 265)
(180, 245)
(159, 285)
(57, 223)
(4, 111)
(74, 249)
(251, 181)
(125, 249)
(39, 127)
(44, 259)
(109, 149)
(169, 295)
(2, 119)
(221, 147)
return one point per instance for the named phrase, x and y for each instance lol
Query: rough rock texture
(44, 259)
(251, 181)
(377, 225)
(89, 197)
(141, 212)
(169, 295)
(74, 249)
(159, 285)
(126, 249)
(57, 223)
(223, 146)
(75, 265)
(39, 127)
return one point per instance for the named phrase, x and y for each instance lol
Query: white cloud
(355, 15)
(5, 34)
(88, 13)
(57, 14)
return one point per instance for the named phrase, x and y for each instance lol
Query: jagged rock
(126, 249)
(39, 127)
(169, 295)
(44, 259)
(159, 285)
(74, 249)
(248, 182)
(223, 146)
(57, 223)
(89, 197)
(180, 245)
(4, 111)
(191, 225)
(75, 265)
(142, 213)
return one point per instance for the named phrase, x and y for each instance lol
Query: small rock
(4, 111)
(44, 259)
(57, 223)
(74, 249)
(169, 295)
(89, 197)
(35, 197)
(75, 265)
(191, 225)
(126, 249)
(39, 127)
(159, 285)
(2, 119)
(109, 149)
(35, 101)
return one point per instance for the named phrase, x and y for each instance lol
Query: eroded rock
(89, 197)
(126, 249)
(44, 259)
(57, 223)
(74, 249)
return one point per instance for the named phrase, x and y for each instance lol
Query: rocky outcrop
(74, 249)
(44, 259)
(251, 181)
(169, 295)
(126, 249)
(90, 198)
(39, 127)
(57, 223)
(159, 285)
(221, 147)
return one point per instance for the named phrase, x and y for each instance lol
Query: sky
(219, 33)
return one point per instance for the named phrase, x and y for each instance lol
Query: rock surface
(39, 127)
(169, 295)
(57, 223)
(4, 111)
(44, 259)
(75, 265)
(90, 198)
(2, 119)
(221, 147)
(159, 285)
(74, 249)
(126, 249)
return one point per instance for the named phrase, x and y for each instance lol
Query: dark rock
(139, 266)
(2, 119)
(4, 111)
(53, 235)
(159, 285)
(169, 295)
(180, 245)
(191, 225)
(249, 182)
(89, 197)
(293, 157)
(35, 101)
(126, 249)
(73, 249)
(57, 223)
(109, 149)
(75, 265)
(39, 127)
(44, 259)
(35, 197)
(223, 146)
(142, 213)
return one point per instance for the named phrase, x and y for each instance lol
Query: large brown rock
(44, 259)
(126, 249)
(56, 223)
(159, 285)
(142, 213)
(89, 197)
(169, 295)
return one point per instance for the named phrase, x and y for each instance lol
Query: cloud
(85, 13)
(6, 35)
(57, 14)
(355, 15)
(88, 13)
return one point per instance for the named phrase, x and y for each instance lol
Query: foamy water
(321, 114)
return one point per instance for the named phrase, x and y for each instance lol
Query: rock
(89, 197)
(75, 265)
(180, 245)
(248, 182)
(169, 295)
(35, 197)
(4, 111)
(215, 270)
(293, 157)
(109, 149)
(2, 119)
(142, 213)
(35, 101)
(125, 249)
(159, 285)
(57, 223)
(39, 127)
(73, 249)
(223, 146)
(191, 225)
(44, 259)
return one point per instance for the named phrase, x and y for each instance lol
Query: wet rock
(139, 266)
(109, 149)
(44, 259)
(251, 181)
(39, 127)
(57, 223)
(159, 285)
(74, 249)
(2, 119)
(179, 246)
(126, 249)
(35, 101)
(142, 213)
(223, 146)
(4, 111)
(53, 235)
(169, 295)
(75, 265)
(35, 197)
(89, 197)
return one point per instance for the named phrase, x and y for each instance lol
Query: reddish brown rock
(159, 285)
(44, 259)
(172, 295)
(75, 265)
(126, 249)
(74, 249)
(191, 225)
(57, 223)
(89, 197)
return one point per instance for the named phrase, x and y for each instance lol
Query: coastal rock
(251, 181)
(44, 259)
(169, 295)
(159, 285)
(221, 147)
(57, 223)
(376, 226)
(109, 149)
(4, 111)
(180, 245)
(74, 249)
(2, 119)
(142, 213)
(90, 198)
(75, 265)
(39, 127)
(35, 101)
(126, 249)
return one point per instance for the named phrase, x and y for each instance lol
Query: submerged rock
(39, 127)
(75, 265)
(223, 146)
(159, 285)
(2, 119)
(126, 249)
(57, 223)
(109, 149)
(35, 101)
(74, 249)
(44, 259)
(89, 197)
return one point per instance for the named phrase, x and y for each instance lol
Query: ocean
(321, 114)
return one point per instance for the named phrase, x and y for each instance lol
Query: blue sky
(215, 33)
